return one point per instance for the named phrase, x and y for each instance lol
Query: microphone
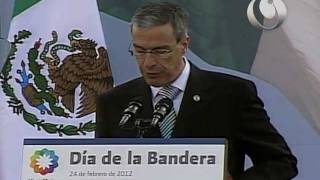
(161, 110)
(134, 107)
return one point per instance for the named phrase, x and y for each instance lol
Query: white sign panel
(124, 159)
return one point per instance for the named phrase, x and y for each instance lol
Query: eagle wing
(96, 78)
(66, 78)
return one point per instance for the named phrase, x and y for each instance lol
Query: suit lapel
(143, 91)
(197, 95)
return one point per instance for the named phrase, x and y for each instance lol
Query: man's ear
(185, 41)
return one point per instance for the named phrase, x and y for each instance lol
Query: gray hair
(157, 14)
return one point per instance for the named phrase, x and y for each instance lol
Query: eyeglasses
(161, 53)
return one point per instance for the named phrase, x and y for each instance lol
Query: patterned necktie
(166, 126)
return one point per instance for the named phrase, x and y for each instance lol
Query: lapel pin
(196, 98)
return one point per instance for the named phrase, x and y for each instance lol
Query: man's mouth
(152, 75)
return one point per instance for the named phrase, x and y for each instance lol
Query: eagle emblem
(56, 81)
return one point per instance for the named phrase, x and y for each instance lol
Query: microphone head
(165, 102)
(161, 110)
(134, 107)
(137, 104)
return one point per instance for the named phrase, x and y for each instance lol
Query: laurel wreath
(17, 106)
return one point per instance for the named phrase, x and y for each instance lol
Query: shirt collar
(180, 82)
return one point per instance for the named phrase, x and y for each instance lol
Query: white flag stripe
(288, 58)
(41, 19)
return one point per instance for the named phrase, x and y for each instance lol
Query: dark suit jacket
(228, 108)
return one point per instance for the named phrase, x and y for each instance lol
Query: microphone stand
(142, 125)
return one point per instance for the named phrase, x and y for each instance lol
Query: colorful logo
(44, 161)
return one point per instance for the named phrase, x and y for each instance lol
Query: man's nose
(149, 60)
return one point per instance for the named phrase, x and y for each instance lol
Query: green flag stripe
(22, 5)
(119, 8)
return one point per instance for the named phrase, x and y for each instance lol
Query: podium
(124, 159)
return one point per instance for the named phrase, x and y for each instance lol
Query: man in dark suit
(207, 104)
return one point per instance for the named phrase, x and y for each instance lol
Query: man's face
(158, 54)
